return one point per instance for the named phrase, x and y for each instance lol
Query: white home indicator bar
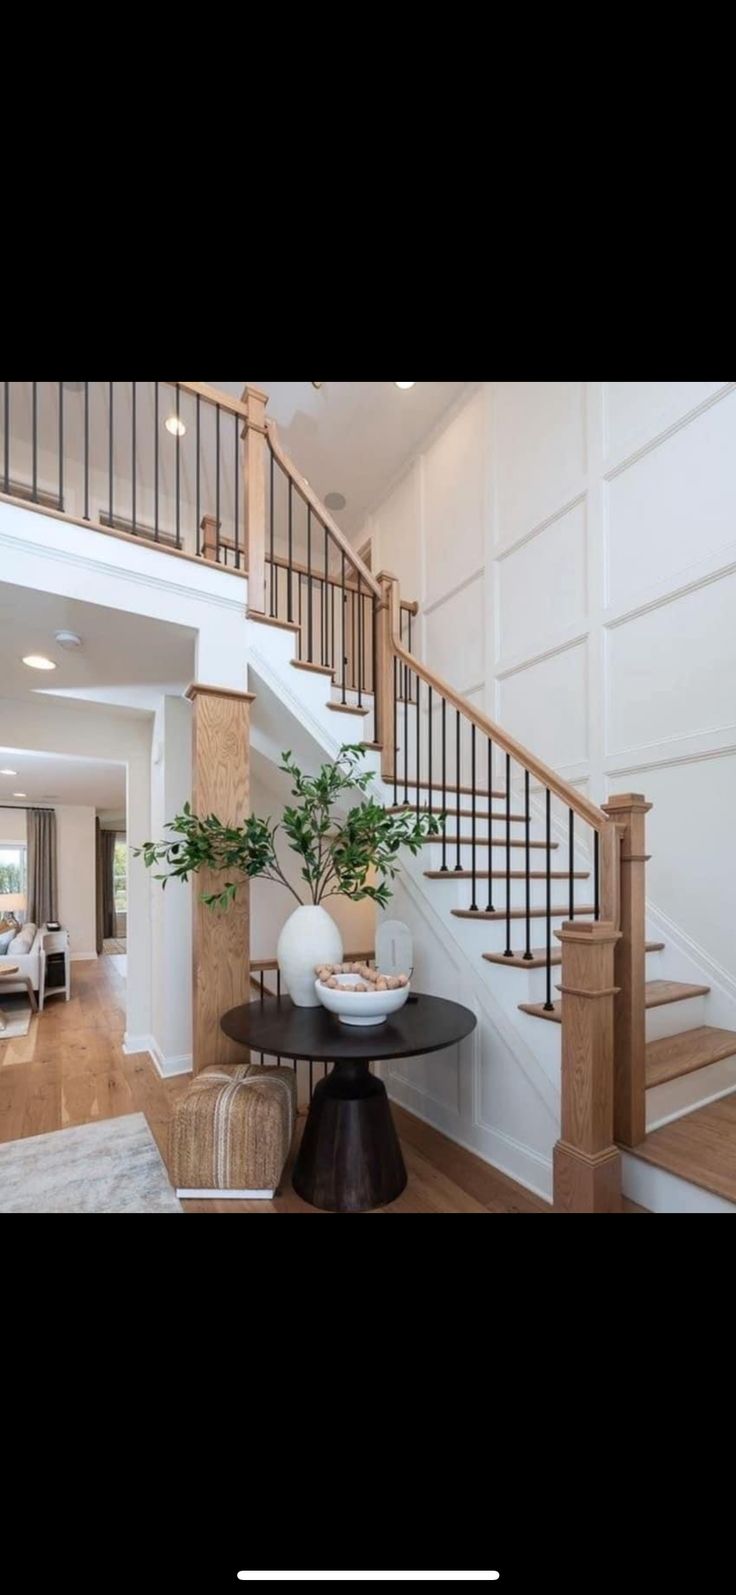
(440, 1578)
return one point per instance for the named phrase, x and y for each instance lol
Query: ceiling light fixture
(8, 772)
(20, 794)
(175, 426)
(38, 662)
(67, 639)
(335, 501)
(405, 384)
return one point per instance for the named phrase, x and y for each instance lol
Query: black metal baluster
(508, 951)
(155, 460)
(444, 782)
(86, 451)
(34, 438)
(61, 445)
(271, 514)
(198, 498)
(110, 447)
(178, 467)
(379, 730)
(458, 865)
(310, 654)
(429, 761)
(527, 856)
(333, 660)
(217, 486)
(419, 755)
(409, 614)
(360, 641)
(571, 866)
(489, 905)
(344, 631)
(289, 590)
(6, 418)
(549, 1005)
(406, 749)
(299, 612)
(396, 731)
(473, 905)
(237, 494)
(596, 889)
(133, 429)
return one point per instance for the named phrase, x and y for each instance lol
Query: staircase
(522, 856)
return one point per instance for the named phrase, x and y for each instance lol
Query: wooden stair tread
(375, 747)
(671, 1056)
(270, 620)
(538, 959)
(659, 992)
(318, 670)
(348, 708)
(500, 875)
(483, 841)
(520, 913)
(699, 1147)
(656, 994)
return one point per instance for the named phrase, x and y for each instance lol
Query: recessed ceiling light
(38, 662)
(20, 794)
(405, 384)
(8, 772)
(68, 639)
(175, 426)
(335, 501)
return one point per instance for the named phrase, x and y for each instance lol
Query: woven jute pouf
(231, 1131)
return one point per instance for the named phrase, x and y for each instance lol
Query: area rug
(17, 1013)
(110, 1167)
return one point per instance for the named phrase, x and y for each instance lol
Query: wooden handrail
(570, 797)
(310, 497)
(214, 396)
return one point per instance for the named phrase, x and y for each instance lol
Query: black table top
(276, 1027)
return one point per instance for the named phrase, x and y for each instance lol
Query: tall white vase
(309, 937)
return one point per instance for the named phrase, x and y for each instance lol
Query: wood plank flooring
(71, 1069)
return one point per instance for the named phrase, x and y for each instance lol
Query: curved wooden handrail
(214, 396)
(310, 497)
(568, 794)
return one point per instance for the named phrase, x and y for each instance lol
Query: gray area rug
(109, 1167)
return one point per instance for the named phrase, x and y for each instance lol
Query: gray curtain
(42, 871)
(105, 884)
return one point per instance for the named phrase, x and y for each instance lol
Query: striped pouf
(231, 1132)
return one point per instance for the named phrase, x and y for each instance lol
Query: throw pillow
(6, 936)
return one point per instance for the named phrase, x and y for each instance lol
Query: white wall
(171, 909)
(75, 842)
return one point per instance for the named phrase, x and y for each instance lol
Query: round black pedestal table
(350, 1159)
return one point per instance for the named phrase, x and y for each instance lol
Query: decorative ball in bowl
(359, 995)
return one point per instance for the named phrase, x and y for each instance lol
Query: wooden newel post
(387, 621)
(254, 495)
(221, 786)
(629, 810)
(587, 1164)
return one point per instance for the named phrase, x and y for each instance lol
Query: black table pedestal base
(350, 1159)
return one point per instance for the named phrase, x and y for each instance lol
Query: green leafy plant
(337, 854)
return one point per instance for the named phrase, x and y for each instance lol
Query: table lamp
(11, 905)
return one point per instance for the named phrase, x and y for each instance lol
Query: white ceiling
(353, 437)
(49, 776)
(126, 659)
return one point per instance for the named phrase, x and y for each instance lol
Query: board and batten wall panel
(539, 454)
(552, 562)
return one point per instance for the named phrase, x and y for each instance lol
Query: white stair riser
(433, 854)
(453, 893)
(661, 1192)
(673, 1017)
(675, 1097)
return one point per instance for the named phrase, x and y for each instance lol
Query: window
(120, 876)
(13, 868)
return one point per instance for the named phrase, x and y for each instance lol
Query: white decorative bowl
(360, 1007)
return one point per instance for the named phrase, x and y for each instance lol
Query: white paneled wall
(573, 549)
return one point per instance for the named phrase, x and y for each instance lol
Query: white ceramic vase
(309, 937)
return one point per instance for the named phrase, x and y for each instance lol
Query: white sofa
(26, 950)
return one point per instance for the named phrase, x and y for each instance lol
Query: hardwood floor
(71, 1069)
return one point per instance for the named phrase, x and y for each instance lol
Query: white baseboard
(166, 1066)
(235, 1196)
